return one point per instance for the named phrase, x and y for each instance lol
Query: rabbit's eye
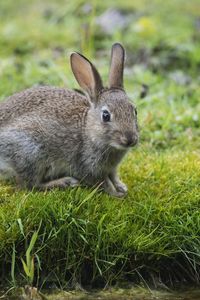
(105, 116)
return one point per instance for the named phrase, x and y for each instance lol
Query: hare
(55, 137)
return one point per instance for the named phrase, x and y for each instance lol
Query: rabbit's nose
(129, 139)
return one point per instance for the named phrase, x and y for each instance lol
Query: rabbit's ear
(116, 66)
(86, 75)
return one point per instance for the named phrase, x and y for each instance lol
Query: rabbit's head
(112, 118)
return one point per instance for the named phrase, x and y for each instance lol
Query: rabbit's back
(44, 99)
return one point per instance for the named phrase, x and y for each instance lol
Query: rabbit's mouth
(126, 141)
(122, 146)
(118, 146)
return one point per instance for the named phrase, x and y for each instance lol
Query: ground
(62, 238)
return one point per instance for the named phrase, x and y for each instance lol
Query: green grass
(89, 235)
(83, 235)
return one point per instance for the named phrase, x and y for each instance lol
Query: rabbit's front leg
(111, 189)
(118, 184)
(60, 183)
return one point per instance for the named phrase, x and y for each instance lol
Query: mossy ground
(83, 235)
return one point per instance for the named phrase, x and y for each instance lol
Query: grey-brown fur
(54, 137)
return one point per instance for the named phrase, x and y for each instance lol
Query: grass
(88, 237)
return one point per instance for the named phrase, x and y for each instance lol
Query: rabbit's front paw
(118, 194)
(112, 190)
(121, 187)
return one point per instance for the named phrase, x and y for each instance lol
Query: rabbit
(54, 137)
